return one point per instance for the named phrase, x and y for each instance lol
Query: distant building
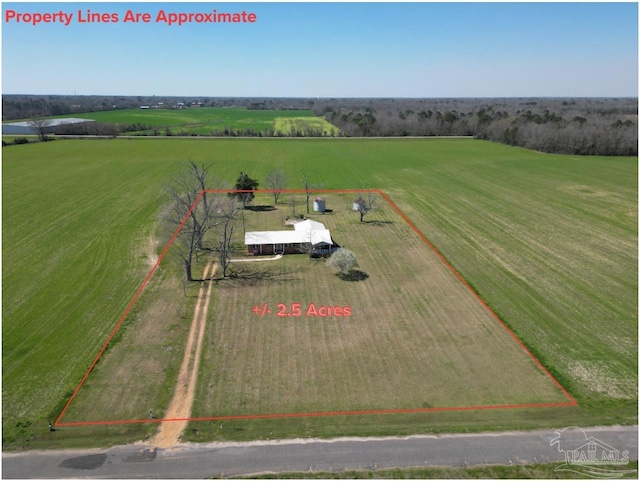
(23, 128)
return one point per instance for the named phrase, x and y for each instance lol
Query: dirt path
(180, 407)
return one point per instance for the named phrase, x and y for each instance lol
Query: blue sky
(330, 50)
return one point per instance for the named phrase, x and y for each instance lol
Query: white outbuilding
(319, 205)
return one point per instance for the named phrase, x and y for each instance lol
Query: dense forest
(587, 126)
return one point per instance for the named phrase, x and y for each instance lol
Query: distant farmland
(216, 121)
(295, 126)
(548, 241)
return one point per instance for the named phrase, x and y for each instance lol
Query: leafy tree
(344, 260)
(450, 117)
(247, 184)
(509, 136)
(365, 122)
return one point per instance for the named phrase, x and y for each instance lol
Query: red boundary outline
(571, 402)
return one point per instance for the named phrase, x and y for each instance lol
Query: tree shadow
(260, 208)
(353, 276)
(377, 222)
(242, 276)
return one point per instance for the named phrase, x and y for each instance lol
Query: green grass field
(516, 471)
(550, 242)
(205, 120)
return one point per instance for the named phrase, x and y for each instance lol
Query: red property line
(571, 402)
(128, 309)
(365, 412)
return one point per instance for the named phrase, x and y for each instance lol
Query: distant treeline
(568, 126)
(20, 107)
(585, 126)
(113, 130)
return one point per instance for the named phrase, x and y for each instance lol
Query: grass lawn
(517, 471)
(550, 242)
(416, 337)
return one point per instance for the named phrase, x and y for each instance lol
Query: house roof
(304, 232)
(307, 225)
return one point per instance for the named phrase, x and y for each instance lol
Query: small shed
(319, 205)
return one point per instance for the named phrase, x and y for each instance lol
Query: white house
(306, 236)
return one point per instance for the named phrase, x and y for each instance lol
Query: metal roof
(304, 232)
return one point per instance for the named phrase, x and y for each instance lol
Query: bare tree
(226, 213)
(40, 127)
(190, 213)
(179, 215)
(306, 188)
(366, 205)
(310, 188)
(277, 180)
(198, 174)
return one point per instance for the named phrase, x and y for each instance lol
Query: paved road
(201, 461)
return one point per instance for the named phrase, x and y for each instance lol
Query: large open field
(550, 242)
(208, 120)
